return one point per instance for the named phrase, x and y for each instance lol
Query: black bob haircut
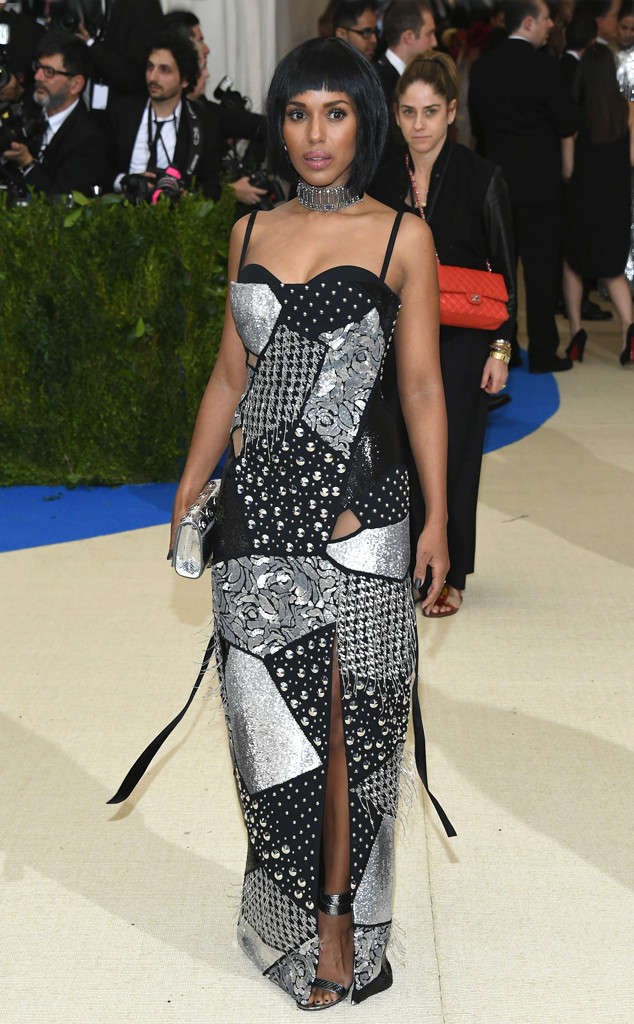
(335, 66)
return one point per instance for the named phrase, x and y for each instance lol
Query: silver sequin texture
(255, 310)
(269, 745)
(383, 550)
(340, 396)
(373, 900)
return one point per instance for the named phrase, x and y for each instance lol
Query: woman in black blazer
(465, 202)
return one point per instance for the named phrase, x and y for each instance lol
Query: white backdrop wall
(247, 37)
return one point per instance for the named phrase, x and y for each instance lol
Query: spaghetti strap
(247, 238)
(390, 244)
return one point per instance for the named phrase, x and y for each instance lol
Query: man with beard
(355, 22)
(166, 129)
(72, 153)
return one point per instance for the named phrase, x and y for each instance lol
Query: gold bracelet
(501, 346)
(502, 356)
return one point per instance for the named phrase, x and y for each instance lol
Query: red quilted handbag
(472, 298)
(468, 298)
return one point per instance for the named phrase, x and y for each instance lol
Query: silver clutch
(192, 545)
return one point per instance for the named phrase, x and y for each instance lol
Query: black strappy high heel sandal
(335, 905)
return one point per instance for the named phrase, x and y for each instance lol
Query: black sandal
(335, 905)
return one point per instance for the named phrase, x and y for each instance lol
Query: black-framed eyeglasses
(367, 33)
(50, 72)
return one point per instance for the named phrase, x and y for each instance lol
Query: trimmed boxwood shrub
(110, 319)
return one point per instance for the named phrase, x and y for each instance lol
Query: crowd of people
(101, 98)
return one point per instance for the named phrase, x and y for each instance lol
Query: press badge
(99, 96)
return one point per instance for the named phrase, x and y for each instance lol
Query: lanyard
(152, 142)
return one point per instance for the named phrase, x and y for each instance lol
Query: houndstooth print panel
(284, 376)
(278, 921)
(376, 632)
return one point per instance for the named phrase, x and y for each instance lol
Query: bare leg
(573, 293)
(622, 299)
(335, 933)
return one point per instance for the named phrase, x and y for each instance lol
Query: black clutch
(192, 545)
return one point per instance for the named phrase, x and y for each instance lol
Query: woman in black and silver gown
(313, 611)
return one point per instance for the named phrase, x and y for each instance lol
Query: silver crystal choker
(328, 199)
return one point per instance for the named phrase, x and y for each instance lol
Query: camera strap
(195, 137)
(153, 140)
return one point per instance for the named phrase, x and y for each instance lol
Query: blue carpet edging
(34, 516)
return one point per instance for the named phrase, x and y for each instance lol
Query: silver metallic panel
(373, 899)
(340, 396)
(382, 550)
(255, 310)
(269, 746)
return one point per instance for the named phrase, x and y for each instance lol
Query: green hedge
(110, 318)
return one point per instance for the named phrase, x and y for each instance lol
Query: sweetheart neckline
(315, 277)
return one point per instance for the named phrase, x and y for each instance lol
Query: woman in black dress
(464, 200)
(313, 610)
(597, 205)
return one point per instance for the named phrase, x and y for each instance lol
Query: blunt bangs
(335, 66)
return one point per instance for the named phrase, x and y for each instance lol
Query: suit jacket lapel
(61, 134)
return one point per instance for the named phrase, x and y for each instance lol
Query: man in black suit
(71, 155)
(520, 110)
(167, 129)
(118, 32)
(408, 29)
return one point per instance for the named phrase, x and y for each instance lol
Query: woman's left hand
(494, 376)
(432, 551)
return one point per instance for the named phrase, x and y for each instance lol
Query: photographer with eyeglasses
(355, 21)
(69, 153)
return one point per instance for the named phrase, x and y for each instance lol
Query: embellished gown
(312, 437)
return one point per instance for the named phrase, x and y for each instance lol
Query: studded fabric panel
(284, 828)
(379, 791)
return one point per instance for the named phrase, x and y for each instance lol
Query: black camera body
(139, 189)
(229, 97)
(274, 190)
(236, 168)
(18, 124)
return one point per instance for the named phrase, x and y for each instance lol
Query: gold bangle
(501, 346)
(504, 357)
